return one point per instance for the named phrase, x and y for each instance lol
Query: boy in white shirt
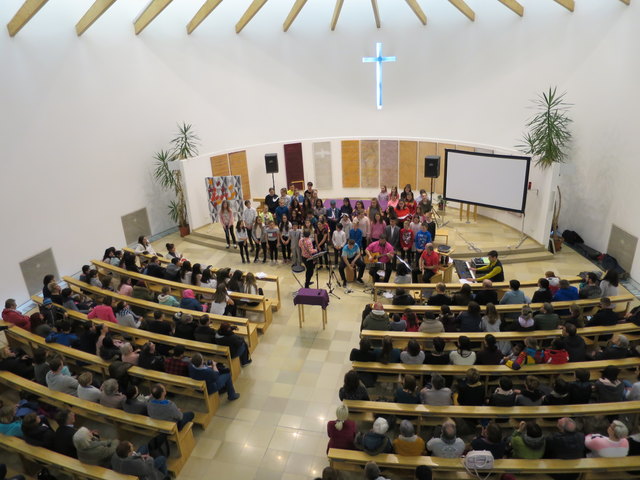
(339, 240)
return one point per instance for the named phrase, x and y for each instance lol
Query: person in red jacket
(103, 311)
(11, 315)
(342, 431)
(406, 242)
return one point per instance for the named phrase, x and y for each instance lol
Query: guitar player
(380, 254)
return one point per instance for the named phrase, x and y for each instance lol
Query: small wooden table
(442, 232)
(311, 296)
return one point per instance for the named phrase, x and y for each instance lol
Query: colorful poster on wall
(224, 188)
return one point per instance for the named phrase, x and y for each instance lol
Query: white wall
(81, 117)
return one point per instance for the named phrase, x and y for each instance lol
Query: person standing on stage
(429, 263)
(494, 271)
(307, 250)
(380, 252)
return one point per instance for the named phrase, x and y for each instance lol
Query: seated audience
(352, 389)
(159, 408)
(387, 353)
(491, 323)
(527, 441)
(543, 294)
(364, 353)
(488, 294)
(185, 326)
(221, 303)
(574, 343)
(559, 395)
(203, 332)
(463, 355)
(412, 355)
(557, 354)
(470, 321)
(375, 441)
(423, 472)
(406, 393)
(106, 345)
(10, 314)
(86, 390)
(609, 284)
(609, 388)
(438, 394)
(470, 390)
(10, 425)
(431, 325)
(341, 431)
(62, 334)
(216, 381)
(566, 292)
(614, 445)
(165, 298)
(402, 297)
(149, 359)
(546, 319)
(581, 389)
(134, 403)
(110, 396)
(575, 316)
(58, 381)
(525, 322)
(490, 353)
(128, 354)
(504, 395)
(103, 310)
(490, 439)
(448, 444)
(408, 443)
(515, 295)
(126, 317)
(617, 347)
(176, 364)
(447, 319)
(377, 319)
(567, 443)
(397, 324)
(129, 462)
(63, 436)
(463, 296)
(591, 289)
(227, 337)
(190, 302)
(532, 354)
(605, 316)
(16, 362)
(371, 472)
(530, 395)
(413, 322)
(91, 449)
(37, 432)
(440, 296)
(437, 356)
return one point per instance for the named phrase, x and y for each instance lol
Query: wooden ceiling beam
(254, 8)
(514, 6)
(201, 14)
(295, 10)
(94, 13)
(336, 14)
(417, 10)
(464, 8)
(568, 4)
(147, 16)
(376, 12)
(26, 12)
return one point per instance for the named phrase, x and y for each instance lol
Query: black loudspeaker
(271, 162)
(432, 166)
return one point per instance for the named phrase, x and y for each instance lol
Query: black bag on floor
(572, 237)
(159, 446)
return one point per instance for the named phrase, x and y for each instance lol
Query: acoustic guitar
(375, 257)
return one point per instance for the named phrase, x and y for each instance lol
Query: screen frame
(495, 155)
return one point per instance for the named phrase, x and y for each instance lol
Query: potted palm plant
(183, 145)
(547, 140)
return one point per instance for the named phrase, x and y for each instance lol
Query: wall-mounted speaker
(271, 162)
(432, 166)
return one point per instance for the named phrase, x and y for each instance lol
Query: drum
(349, 273)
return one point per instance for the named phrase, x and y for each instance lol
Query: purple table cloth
(312, 296)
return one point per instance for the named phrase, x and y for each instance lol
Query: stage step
(528, 257)
(208, 236)
(204, 242)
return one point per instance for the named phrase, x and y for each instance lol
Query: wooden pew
(275, 302)
(140, 337)
(487, 371)
(623, 300)
(501, 287)
(590, 334)
(140, 424)
(184, 386)
(156, 284)
(245, 328)
(596, 467)
(434, 415)
(57, 462)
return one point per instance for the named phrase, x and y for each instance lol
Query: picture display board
(224, 188)
(488, 180)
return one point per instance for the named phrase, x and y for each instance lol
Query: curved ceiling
(31, 7)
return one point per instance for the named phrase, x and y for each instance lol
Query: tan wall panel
(408, 164)
(220, 165)
(388, 163)
(425, 149)
(465, 148)
(238, 163)
(369, 163)
(439, 183)
(350, 163)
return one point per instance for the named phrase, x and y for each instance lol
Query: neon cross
(378, 59)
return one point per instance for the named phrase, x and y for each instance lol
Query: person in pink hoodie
(103, 311)
(10, 314)
(615, 445)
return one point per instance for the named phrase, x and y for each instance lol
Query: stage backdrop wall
(403, 159)
(82, 116)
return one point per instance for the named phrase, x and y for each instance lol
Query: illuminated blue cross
(378, 59)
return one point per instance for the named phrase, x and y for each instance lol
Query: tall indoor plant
(547, 140)
(183, 145)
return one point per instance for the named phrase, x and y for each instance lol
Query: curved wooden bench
(140, 337)
(156, 284)
(501, 287)
(58, 462)
(140, 424)
(275, 302)
(355, 460)
(245, 328)
(184, 386)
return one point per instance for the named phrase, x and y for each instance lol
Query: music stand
(314, 257)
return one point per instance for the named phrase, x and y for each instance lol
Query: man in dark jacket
(573, 343)
(440, 296)
(617, 348)
(605, 316)
(125, 460)
(566, 444)
(487, 294)
(154, 269)
(63, 436)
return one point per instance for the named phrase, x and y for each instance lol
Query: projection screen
(488, 180)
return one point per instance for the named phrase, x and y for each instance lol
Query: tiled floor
(276, 430)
